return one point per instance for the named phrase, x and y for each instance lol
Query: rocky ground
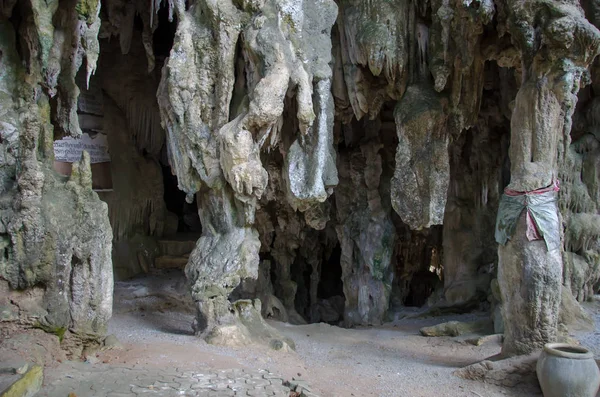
(159, 355)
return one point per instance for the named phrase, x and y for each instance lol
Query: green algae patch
(58, 331)
(86, 9)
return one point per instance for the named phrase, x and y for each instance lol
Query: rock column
(215, 152)
(556, 43)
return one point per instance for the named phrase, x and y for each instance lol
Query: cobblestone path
(87, 380)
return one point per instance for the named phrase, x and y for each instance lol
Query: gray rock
(529, 276)
(420, 183)
(456, 328)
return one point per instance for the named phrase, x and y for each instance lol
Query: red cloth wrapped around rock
(542, 215)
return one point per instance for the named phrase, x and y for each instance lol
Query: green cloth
(542, 216)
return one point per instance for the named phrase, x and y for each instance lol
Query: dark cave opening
(422, 285)
(164, 35)
(330, 283)
(188, 220)
(330, 299)
(419, 265)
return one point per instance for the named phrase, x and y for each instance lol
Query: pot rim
(581, 353)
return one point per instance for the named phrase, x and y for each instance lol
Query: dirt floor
(152, 319)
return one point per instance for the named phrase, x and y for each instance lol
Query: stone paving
(87, 380)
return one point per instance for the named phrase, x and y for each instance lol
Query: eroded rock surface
(56, 238)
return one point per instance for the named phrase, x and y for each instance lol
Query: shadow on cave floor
(153, 315)
(157, 301)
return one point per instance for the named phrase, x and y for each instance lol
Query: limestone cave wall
(346, 157)
(56, 269)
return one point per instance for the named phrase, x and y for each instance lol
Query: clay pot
(567, 371)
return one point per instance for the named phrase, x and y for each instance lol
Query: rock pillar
(556, 43)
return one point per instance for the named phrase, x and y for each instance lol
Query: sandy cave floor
(152, 319)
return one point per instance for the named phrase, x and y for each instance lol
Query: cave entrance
(179, 240)
(327, 303)
(153, 225)
(419, 266)
(331, 300)
(330, 283)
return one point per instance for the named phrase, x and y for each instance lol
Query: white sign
(69, 150)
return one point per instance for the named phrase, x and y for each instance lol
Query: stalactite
(423, 44)
(136, 206)
(125, 218)
(126, 28)
(144, 122)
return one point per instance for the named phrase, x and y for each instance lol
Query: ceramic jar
(567, 371)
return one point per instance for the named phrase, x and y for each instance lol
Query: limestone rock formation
(556, 48)
(422, 173)
(341, 159)
(218, 158)
(55, 230)
(366, 234)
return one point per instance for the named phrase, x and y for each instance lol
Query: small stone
(306, 393)
(484, 339)
(22, 369)
(91, 359)
(303, 385)
(456, 328)
(17, 367)
(276, 344)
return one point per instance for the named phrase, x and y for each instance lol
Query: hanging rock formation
(422, 173)
(219, 159)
